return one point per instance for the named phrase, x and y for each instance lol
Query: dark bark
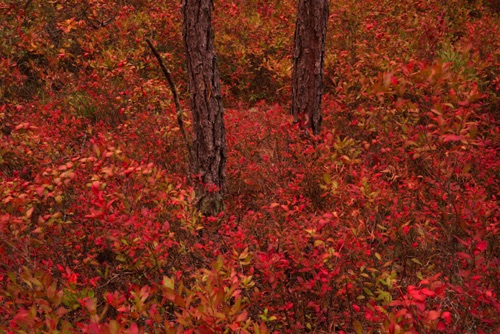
(209, 146)
(309, 50)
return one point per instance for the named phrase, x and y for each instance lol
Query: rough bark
(209, 146)
(307, 75)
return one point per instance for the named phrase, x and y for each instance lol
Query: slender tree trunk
(209, 146)
(309, 50)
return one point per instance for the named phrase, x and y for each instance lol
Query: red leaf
(428, 292)
(482, 245)
(447, 138)
(446, 316)
(40, 190)
(133, 329)
(464, 255)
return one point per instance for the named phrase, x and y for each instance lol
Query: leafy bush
(386, 222)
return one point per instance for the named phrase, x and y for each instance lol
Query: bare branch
(179, 111)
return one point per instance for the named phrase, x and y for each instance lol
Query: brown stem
(178, 108)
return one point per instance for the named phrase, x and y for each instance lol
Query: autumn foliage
(387, 221)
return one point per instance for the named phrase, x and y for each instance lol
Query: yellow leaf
(318, 243)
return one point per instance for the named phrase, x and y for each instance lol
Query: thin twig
(15, 249)
(178, 108)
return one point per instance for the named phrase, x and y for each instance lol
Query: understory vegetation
(386, 222)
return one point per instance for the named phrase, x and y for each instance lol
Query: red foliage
(385, 222)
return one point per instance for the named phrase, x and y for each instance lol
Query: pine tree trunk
(309, 50)
(209, 146)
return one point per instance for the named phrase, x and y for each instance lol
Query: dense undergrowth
(386, 222)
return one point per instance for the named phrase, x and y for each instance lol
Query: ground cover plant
(385, 222)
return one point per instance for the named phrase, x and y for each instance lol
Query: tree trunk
(209, 146)
(309, 50)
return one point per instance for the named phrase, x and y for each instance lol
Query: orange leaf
(242, 316)
(433, 315)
